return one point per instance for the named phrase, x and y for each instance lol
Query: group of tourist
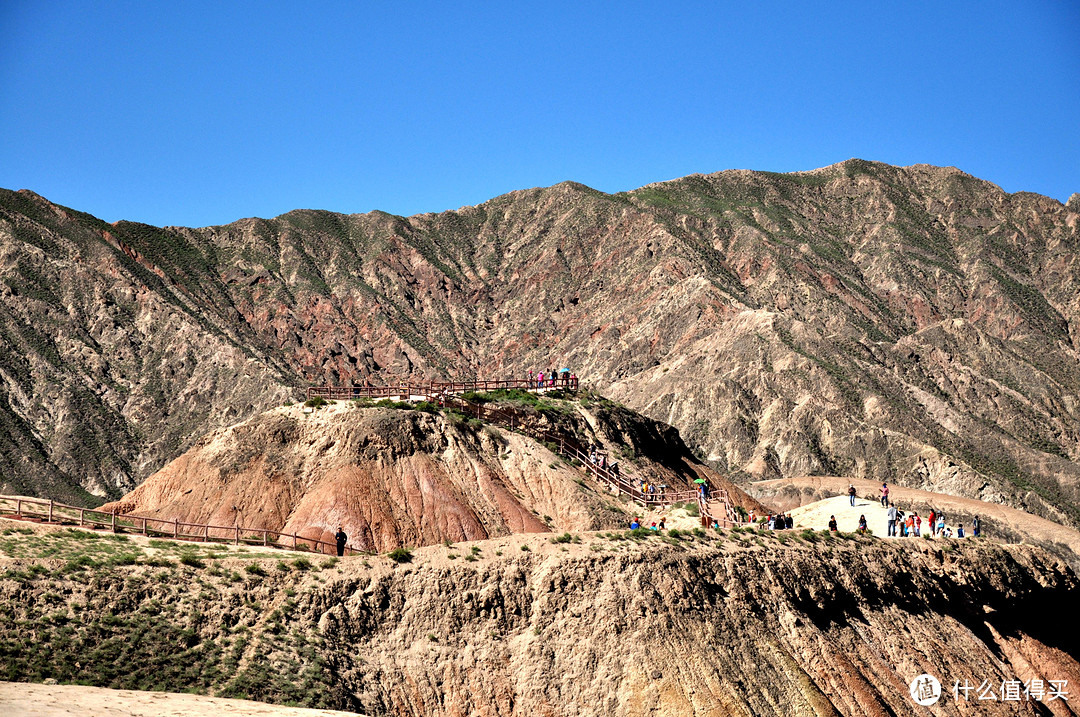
(636, 523)
(779, 522)
(599, 459)
(563, 378)
(910, 525)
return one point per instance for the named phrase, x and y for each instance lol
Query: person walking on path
(975, 527)
(941, 524)
(885, 494)
(891, 527)
(851, 494)
(933, 525)
(341, 539)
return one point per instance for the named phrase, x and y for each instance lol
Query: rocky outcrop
(395, 477)
(691, 626)
(389, 477)
(913, 324)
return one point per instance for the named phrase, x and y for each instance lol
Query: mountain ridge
(785, 323)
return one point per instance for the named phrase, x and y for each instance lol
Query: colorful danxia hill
(766, 339)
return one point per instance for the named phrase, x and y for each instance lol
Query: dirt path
(816, 515)
(33, 700)
(812, 494)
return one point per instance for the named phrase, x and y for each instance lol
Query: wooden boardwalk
(48, 511)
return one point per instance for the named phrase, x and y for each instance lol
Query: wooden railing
(53, 512)
(413, 391)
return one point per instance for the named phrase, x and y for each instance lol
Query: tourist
(975, 527)
(634, 524)
(946, 532)
(918, 525)
(960, 530)
(653, 526)
(662, 523)
(862, 523)
(910, 526)
(540, 380)
(891, 525)
(941, 524)
(750, 518)
(341, 539)
(885, 494)
(573, 381)
(933, 526)
(832, 523)
(715, 525)
(851, 494)
(789, 522)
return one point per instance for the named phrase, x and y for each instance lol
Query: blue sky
(202, 113)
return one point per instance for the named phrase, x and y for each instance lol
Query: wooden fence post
(238, 535)
(50, 510)
(82, 517)
(294, 541)
(113, 521)
(175, 528)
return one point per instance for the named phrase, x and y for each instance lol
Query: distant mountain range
(916, 324)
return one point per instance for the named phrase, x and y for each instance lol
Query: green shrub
(674, 533)
(302, 564)
(564, 538)
(255, 569)
(191, 560)
(525, 548)
(316, 402)
(400, 555)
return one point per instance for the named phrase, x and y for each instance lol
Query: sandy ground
(816, 515)
(20, 699)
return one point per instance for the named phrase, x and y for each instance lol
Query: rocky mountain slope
(397, 477)
(913, 324)
(716, 624)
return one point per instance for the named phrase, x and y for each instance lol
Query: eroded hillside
(915, 324)
(394, 477)
(727, 623)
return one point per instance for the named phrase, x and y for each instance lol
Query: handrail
(434, 388)
(54, 512)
